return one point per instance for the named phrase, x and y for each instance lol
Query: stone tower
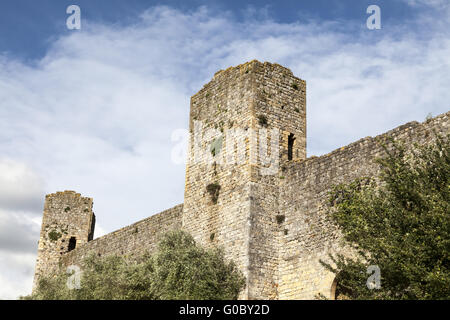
(67, 222)
(245, 126)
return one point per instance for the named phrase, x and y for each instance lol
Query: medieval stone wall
(307, 236)
(249, 188)
(131, 241)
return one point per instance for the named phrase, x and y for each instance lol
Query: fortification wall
(131, 241)
(272, 223)
(281, 98)
(309, 236)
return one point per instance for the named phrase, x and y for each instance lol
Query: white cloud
(16, 274)
(19, 235)
(21, 203)
(97, 113)
(19, 232)
(99, 231)
(20, 187)
(429, 3)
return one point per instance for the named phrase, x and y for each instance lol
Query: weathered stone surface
(66, 215)
(271, 223)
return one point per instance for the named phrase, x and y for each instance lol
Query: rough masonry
(249, 188)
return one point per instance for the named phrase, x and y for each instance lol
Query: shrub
(54, 235)
(401, 225)
(179, 269)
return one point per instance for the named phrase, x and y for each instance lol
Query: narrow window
(72, 243)
(291, 140)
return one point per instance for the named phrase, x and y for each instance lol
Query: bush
(401, 225)
(179, 269)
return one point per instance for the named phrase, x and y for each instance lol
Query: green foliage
(54, 235)
(401, 224)
(108, 278)
(216, 145)
(180, 269)
(294, 86)
(184, 270)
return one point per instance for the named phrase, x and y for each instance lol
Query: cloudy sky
(94, 110)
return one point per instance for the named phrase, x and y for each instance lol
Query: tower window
(72, 243)
(291, 140)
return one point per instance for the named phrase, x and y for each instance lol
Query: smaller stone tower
(68, 222)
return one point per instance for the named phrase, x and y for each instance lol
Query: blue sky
(28, 27)
(95, 110)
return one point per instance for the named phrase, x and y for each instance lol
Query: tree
(179, 269)
(399, 222)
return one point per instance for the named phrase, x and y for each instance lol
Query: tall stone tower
(67, 222)
(245, 126)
